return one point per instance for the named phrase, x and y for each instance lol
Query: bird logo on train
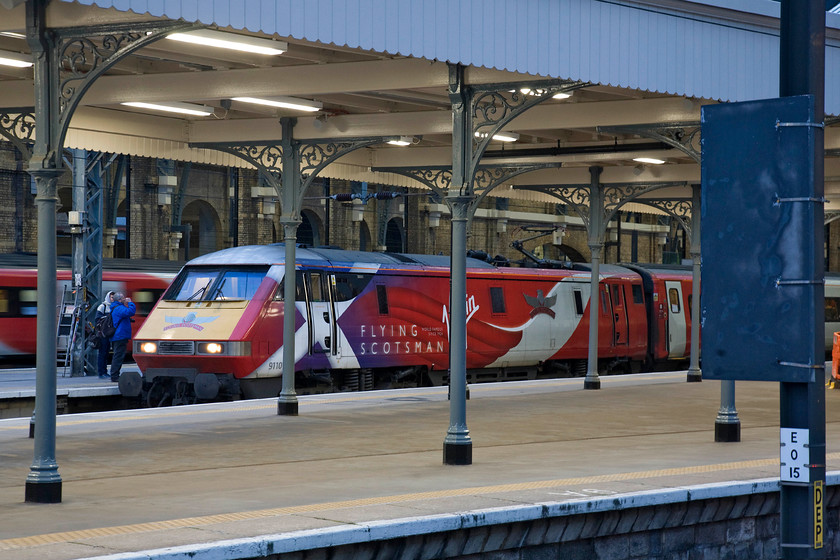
(190, 320)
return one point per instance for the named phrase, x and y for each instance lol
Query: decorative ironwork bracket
(831, 216)
(485, 179)
(311, 157)
(18, 126)
(616, 195)
(493, 106)
(684, 136)
(80, 61)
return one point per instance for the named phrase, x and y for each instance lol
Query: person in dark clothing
(121, 312)
(104, 343)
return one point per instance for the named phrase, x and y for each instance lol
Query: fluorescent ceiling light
(233, 41)
(401, 141)
(17, 60)
(650, 160)
(284, 102)
(12, 34)
(535, 92)
(173, 107)
(500, 136)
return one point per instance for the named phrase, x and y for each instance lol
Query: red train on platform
(366, 320)
(143, 281)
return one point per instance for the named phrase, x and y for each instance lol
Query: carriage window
(674, 300)
(316, 288)
(4, 302)
(832, 309)
(497, 300)
(637, 294)
(382, 298)
(578, 302)
(348, 286)
(616, 295)
(278, 294)
(605, 304)
(145, 300)
(28, 302)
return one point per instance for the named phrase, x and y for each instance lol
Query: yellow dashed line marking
(69, 536)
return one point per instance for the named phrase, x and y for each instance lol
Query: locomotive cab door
(320, 315)
(676, 320)
(619, 315)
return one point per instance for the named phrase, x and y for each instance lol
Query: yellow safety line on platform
(68, 536)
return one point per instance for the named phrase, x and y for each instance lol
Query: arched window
(204, 228)
(364, 237)
(394, 236)
(308, 232)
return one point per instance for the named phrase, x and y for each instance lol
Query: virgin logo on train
(472, 309)
(189, 320)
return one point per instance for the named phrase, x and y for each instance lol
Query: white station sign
(794, 455)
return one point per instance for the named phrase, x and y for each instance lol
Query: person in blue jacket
(103, 309)
(122, 310)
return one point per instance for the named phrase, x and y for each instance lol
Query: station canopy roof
(373, 68)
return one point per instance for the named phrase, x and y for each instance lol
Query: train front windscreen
(216, 283)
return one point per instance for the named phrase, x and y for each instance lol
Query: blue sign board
(762, 310)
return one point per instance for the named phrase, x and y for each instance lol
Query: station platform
(20, 382)
(206, 480)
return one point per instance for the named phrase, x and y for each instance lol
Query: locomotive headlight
(211, 348)
(148, 347)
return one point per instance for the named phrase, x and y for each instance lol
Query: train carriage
(364, 320)
(144, 282)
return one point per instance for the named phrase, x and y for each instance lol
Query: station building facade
(170, 210)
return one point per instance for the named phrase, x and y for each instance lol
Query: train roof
(63, 262)
(276, 253)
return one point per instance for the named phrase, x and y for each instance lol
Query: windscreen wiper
(199, 292)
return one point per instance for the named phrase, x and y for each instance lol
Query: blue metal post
(802, 405)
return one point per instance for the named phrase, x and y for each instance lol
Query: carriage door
(321, 317)
(619, 315)
(676, 320)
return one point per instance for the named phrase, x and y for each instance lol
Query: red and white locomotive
(366, 320)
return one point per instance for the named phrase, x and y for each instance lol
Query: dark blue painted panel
(762, 292)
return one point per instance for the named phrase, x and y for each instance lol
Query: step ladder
(69, 315)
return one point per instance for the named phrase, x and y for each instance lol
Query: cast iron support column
(727, 423)
(287, 401)
(694, 373)
(596, 244)
(43, 484)
(457, 446)
(802, 405)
